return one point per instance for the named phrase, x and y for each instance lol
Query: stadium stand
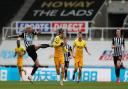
(8, 9)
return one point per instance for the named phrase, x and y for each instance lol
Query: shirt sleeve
(57, 42)
(113, 41)
(22, 35)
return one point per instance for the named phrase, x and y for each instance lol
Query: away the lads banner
(63, 10)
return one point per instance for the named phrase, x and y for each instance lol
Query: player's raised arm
(16, 36)
(13, 36)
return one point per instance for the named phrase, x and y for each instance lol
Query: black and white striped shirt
(67, 54)
(119, 42)
(28, 38)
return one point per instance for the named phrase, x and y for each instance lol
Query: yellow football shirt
(20, 51)
(59, 50)
(79, 46)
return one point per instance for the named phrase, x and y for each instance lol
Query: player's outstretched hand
(89, 53)
(73, 55)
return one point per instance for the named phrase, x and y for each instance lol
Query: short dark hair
(79, 32)
(18, 42)
(60, 30)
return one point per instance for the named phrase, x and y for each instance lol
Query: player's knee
(37, 64)
(80, 69)
(62, 71)
(75, 70)
(120, 58)
(65, 68)
(62, 68)
(118, 64)
(62, 65)
(58, 71)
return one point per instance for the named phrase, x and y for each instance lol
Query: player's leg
(36, 65)
(115, 63)
(122, 66)
(66, 69)
(62, 74)
(75, 70)
(20, 72)
(79, 74)
(41, 46)
(62, 70)
(117, 68)
(80, 64)
(20, 67)
(57, 66)
(32, 53)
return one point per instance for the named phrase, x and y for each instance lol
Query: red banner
(69, 26)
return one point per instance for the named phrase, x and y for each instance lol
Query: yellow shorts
(58, 61)
(78, 62)
(20, 63)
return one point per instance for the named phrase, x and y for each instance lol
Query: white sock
(58, 77)
(31, 76)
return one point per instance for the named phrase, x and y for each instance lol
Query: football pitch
(67, 85)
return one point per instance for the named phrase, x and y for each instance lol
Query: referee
(118, 44)
(67, 56)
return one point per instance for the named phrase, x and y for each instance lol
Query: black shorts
(32, 52)
(117, 58)
(66, 64)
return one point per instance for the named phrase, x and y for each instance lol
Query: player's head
(80, 35)
(18, 42)
(65, 40)
(60, 32)
(29, 29)
(118, 32)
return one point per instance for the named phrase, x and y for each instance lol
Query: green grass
(67, 85)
